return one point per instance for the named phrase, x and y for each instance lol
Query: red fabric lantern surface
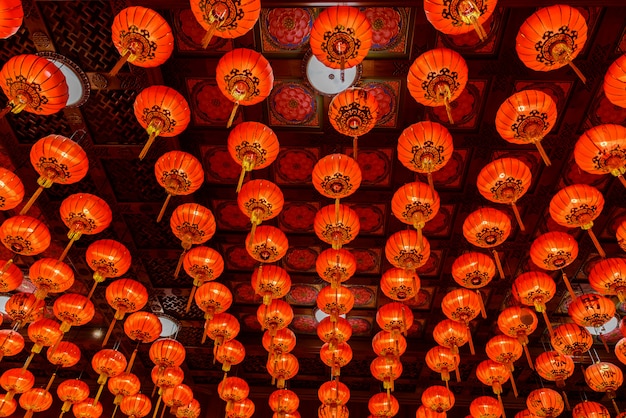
(124, 384)
(336, 357)
(7, 406)
(451, 334)
(189, 410)
(494, 374)
(177, 397)
(335, 266)
(460, 17)
(35, 400)
(271, 282)
(438, 398)
(400, 284)
(167, 352)
(283, 402)
(166, 377)
(222, 327)
(578, 205)
(602, 150)
(545, 402)
(278, 314)
(353, 112)
(395, 317)
(386, 370)
(11, 343)
(589, 409)
(615, 82)
(437, 78)
(415, 204)
(34, 84)
(241, 409)
(442, 360)
(535, 288)
(329, 412)
(108, 259)
(605, 377)
(23, 308)
(505, 180)
(136, 406)
(405, 250)
(423, 412)
(383, 405)
(518, 322)
(24, 235)
(504, 349)
(84, 213)
(11, 18)
(11, 277)
(107, 363)
(333, 393)
(462, 305)
(142, 37)
(192, 224)
(64, 354)
(232, 389)
(213, 298)
(473, 270)
(336, 176)
(11, 188)
(554, 367)
(15, 381)
(203, 264)
(487, 228)
(87, 409)
(486, 407)
(260, 200)
(245, 77)
(143, 327)
(50, 276)
(225, 18)
(125, 296)
(44, 332)
(73, 309)
(335, 302)
(269, 244)
(253, 146)
(283, 342)
(552, 38)
(336, 226)
(526, 117)
(72, 391)
(179, 173)
(425, 147)
(620, 350)
(385, 344)
(283, 367)
(571, 340)
(608, 277)
(334, 332)
(591, 310)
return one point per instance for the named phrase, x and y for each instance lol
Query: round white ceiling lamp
(170, 326)
(328, 81)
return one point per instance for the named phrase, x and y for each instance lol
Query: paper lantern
(395, 317)
(608, 277)
(385, 344)
(328, 412)
(602, 150)
(11, 343)
(212, 298)
(253, 146)
(545, 402)
(473, 270)
(283, 402)
(11, 19)
(415, 204)
(11, 277)
(423, 412)
(504, 349)
(35, 400)
(336, 357)
(125, 296)
(535, 288)
(438, 398)
(336, 176)
(405, 250)
(620, 235)
(64, 354)
(555, 251)
(425, 147)
(588, 409)
(70, 392)
(15, 381)
(245, 77)
(335, 266)
(383, 405)
(143, 327)
(605, 377)
(486, 407)
(487, 228)
(108, 259)
(142, 37)
(177, 397)
(107, 363)
(11, 187)
(73, 309)
(241, 409)
(179, 173)
(333, 393)
(442, 360)
(50, 276)
(190, 410)
(87, 409)
(335, 302)
(334, 332)
(460, 17)
(124, 384)
(260, 200)
(203, 264)
(437, 78)
(451, 334)
(554, 367)
(527, 117)
(225, 18)
(518, 322)
(552, 38)
(336, 226)
(571, 340)
(7, 407)
(23, 308)
(591, 310)
(462, 305)
(43, 332)
(231, 390)
(269, 244)
(222, 327)
(283, 367)
(278, 314)
(400, 284)
(192, 224)
(34, 84)
(494, 374)
(167, 352)
(615, 82)
(353, 112)
(284, 341)
(136, 406)
(387, 371)
(25, 236)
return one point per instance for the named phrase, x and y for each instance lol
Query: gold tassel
(542, 152)
(149, 143)
(69, 245)
(232, 115)
(191, 295)
(108, 334)
(569, 287)
(162, 212)
(32, 200)
(482, 305)
(518, 217)
(578, 72)
(120, 63)
(355, 147)
(470, 340)
(4, 112)
(496, 257)
(596, 243)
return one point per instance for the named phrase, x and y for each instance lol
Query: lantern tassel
(32, 200)
(162, 212)
(496, 257)
(49, 385)
(163, 412)
(622, 180)
(156, 407)
(206, 39)
(578, 72)
(29, 413)
(446, 103)
(28, 360)
(109, 332)
(241, 177)
(480, 31)
(615, 406)
(114, 411)
(470, 341)
(548, 324)
(483, 312)
(97, 397)
(543, 154)
(528, 357)
(4, 111)
(606, 347)
(206, 324)
(191, 297)
(429, 177)
(355, 147)
(596, 243)
(120, 63)
(513, 385)
(132, 359)
(6, 266)
(148, 144)
(457, 374)
(501, 405)
(232, 115)
(566, 401)
(252, 234)
(93, 289)
(180, 264)
(518, 218)
(69, 245)
(569, 287)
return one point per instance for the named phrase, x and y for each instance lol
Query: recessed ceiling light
(170, 326)
(328, 81)
(606, 328)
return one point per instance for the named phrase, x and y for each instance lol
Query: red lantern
(437, 77)
(271, 282)
(43, 332)
(179, 173)
(107, 363)
(253, 146)
(11, 277)
(333, 393)
(278, 314)
(486, 407)
(395, 317)
(425, 147)
(84, 213)
(11, 18)
(241, 409)
(124, 384)
(554, 367)
(11, 187)
(386, 371)
(438, 398)
(245, 77)
(545, 402)
(50, 276)
(335, 266)
(487, 228)
(504, 349)
(608, 277)
(415, 204)
(230, 353)
(23, 308)
(136, 406)
(73, 309)
(442, 360)
(423, 412)
(283, 402)
(385, 344)
(383, 405)
(283, 342)
(108, 259)
(212, 298)
(231, 390)
(70, 392)
(142, 37)
(189, 410)
(334, 332)
(223, 327)
(166, 377)
(577, 206)
(87, 409)
(552, 38)
(337, 357)
(335, 302)
(405, 250)
(16, 381)
(7, 407)
(192, 224)
(460, 17)
(225, 18)
(518, 322)
(24, 235)
(143, 327)
(282, 368)
(167, 352)
(605, 377)
(260, 200)
(328, 412)
(125, 296)
(571, 340)
(554, 251)
(451, 334)
(353, 112)
(203, 264)
(591, 310)
(462, 305)
(400, 284)
(11, 343)
(34, 84)
(35, 400)
(473, 270)
(63, 354)
(588, 409)
(336, 176)
(602, 150)
(177, 397)
(494, 374)
(336, 226)
(535, 288)
(615, 82)
(269, 244)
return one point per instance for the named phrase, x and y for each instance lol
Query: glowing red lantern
(486, 407)
(271, 282)
(385, 344)
(7, 406)
(400, 284)
(278, 314)
(50, 276)
(442, 360)
(487, 228)
(473, 270)
(554, 251)
(335, 302)
(383, 405)
(143, 327)
(386, 370)
(283, 402)
(73, 309)
(602, 150)
(269, 244)
(615, 82)
(87, 409)
(260, 200)
(177, 397)
(11, 277)
(283, 367)
(588, 409)
(353, 112)
(591, 310)
(24, 235)
(535, 288)
(15, 381)
(11, 187)
(124, 384)
(108, 259)
(462, 305)
(605, 377)
(335, 266)
(225, 18)
(283, 342)
(518, 322)
(107, 363)
(232, 389)
(337, 357)
(70, 392)
(203, 264)
(136, 406)
(336, 227)
(460, 17)
(334, 332)
(230, 353)
(333, 393)
(43, 332)
(504, 349)
(494, 374)
(63, 354)
(241, 409)
(608, 277)
(84, 213)
(545, 402)
(192, 224)
(35, 400)
(451, 334)
(23, 308)
(571, 340)
(438, 398)
(405, 250)
(395, 317)
(11, 18)
(336, 176)
(212, 298)
(554, 367)
(167, 352)
(415, 204)
(189, 410)
(179, 173)
(11, 343)
(125, 296)
(222, 327)
(423, 412)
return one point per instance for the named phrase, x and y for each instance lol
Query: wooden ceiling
(106, 128)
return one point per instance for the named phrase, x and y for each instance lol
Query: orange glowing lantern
(395, 317)
(23, 308)
(505, 180)
(336, 357)
(241, 409)
(73, 309)
(283, 402)
(167, 352)
(602, 150)
(34, 84)
(438, 398)
(442, 360)
(136, 406)
(463, 305)
(552, 38)
(327, 412)
(615, 82)
(231, 390)
(554, 367)
(245, 77)
(108, 259)
(400, 284)
(70, 392)
(142, 37)
(87, 409)
(24, 235)
(504, 349)
(295, 414)
(177, 397)
(605, 377)
(382, 405)
(451, 334)
(11, 189)
(487, 228)
(43, 332)
(35, 400)
(385, 344)
(15, 381)
(11, 343)
(225, 18)
(437, 77)
(203, 264)
(425, 147)
(335, 266)
(179, 173)
(212, 298)
(353, 112)
(7, 406)
(336, 225)
(333, 393)
(269, 244)
(588, 409)
(415, 204)
(107, 363)
(125, 296)
(545, 402)
(535, 288)
(608, 277)
(260, 200)
(63, 354)
(387, 371)
(84, 213)
(578, 205)
(335, 302)
(334, 332)
(486, 407)
(143, 327)
(494, 374)
(165, 377)
(473, 270)
(571, 340)
(11, 18)
(405, 250)
(519, 322)
(50, 276)
(423, 412)
(189, 410)
(192, 224)
(124, 384)
(222, 327)
(554, 251)
(460, 17)
(278, 314)
(253, 146)
(591, 310)
(620, 235)
(11, 277)
(283, 342)
(283, 367)
(336, 176)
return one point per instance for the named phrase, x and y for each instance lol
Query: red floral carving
(298, 216)
(362, 295)
(374, 166)
(422, 299)
(190, 26)
(440, 223)
(238, 258)
(431, 264)
(229, 215)
(245, 293)
(293, 104)
(607, 112)
(296, 165)
(386, 23)
(251, 322)
(211, 104)
(366, 261)
(304, 324)
(301, 258)
(360, 326)
(451, 171)
(221, 165)
(289, 27)
(383, 97)
(370, 218)
(303, 294)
